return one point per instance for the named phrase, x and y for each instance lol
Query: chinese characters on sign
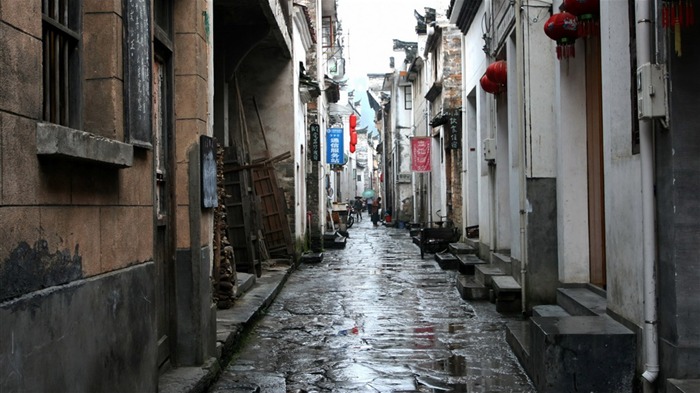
(454, 129)
(420, 154)
(334, 149)
(315, 142)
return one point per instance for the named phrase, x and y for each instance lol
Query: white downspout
(651, 352)
(520, 77)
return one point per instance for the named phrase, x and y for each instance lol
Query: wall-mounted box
(489, 148)
(651, 91)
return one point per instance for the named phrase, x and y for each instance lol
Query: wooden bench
(436, 239)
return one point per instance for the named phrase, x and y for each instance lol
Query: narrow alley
(375, 317)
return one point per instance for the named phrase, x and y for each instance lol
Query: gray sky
(369, 27)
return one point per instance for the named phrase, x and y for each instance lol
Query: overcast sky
(369, 27)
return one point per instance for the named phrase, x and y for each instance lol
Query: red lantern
(587, 12)
(563, 28)
(353, 138)
(353, 121)
(352, 148)
(498, 72)
(489, 86)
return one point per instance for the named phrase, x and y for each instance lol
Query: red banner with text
(420, 154)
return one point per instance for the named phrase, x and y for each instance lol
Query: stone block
(549, 310)
(23, 15)
(191, 55)
(20, 67)
(471, 290)
(518, 336)
(25, 227)
(447, 261)
(682, 385)
(102, 35)
(54, 141)
(104, 108)
(582, 353)
(483, 273)
(91, 6)
(192, 102)
(19, 168)
(182, 222)
(461, 248)
(73, 229)
(136, 183)
(581, 301)
(467, 263)
(126, 236)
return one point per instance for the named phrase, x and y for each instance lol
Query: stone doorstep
(581, 301)
(461, 248)
(505, 285)
(682, 385)
(447, 261)
(502, 261)
(245, 282)
(519, 337)
(549, 310)
(483, 273)
(588, 353)
(312, 257)
(471, 290)
(467, 263)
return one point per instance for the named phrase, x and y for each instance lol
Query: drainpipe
(651, 351)
(520, 75)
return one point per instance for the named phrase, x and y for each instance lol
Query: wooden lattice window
(61, 61)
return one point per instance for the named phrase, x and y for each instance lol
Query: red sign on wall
(420, 154)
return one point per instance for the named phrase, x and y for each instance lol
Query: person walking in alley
(376, 206)
(358, 209)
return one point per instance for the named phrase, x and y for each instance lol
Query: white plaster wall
(514, 149)
(539, 68)
(474, 62)
(299, 152)
(572, 183)
(623, 203)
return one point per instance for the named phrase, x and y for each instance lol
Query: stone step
(447, 261)
(470, 289)
(549, 310)
(312, 257)
(582, 353)
(472, 242)
(519, 337)
(483, 273)
(507, 292)
(467, 262)
(337, 242)
(581, 301)
(461, 248)
(682, 385)
(503, 262)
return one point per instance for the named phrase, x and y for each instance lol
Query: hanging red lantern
(353, 121)
(587, 13)
(489, 86)
(353, 138)
(352, 148)
(498, 72)
(563, 28)
(677, 14)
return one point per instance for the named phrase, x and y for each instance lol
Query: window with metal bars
(61, 61)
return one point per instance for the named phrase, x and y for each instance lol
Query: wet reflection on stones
(374, 317)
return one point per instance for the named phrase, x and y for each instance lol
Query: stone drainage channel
(374, 317)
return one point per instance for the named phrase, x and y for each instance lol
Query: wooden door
(164, 238)
(596, 180)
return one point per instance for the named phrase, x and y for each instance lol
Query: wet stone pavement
(374, 317)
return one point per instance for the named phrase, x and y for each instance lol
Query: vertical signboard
(207, 151)
(420, 154)
(137, 73)
(315, 142)
(334, 146)
(454, 129)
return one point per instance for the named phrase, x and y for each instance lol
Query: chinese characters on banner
(334, 146)
(420, 154)
(454, 129)
(315, 142)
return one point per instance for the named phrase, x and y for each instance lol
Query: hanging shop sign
(420, 154)
(334, 146)
(454, 129)
(315, 142)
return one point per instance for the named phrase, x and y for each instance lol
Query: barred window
(407, 98)
(61, 61)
